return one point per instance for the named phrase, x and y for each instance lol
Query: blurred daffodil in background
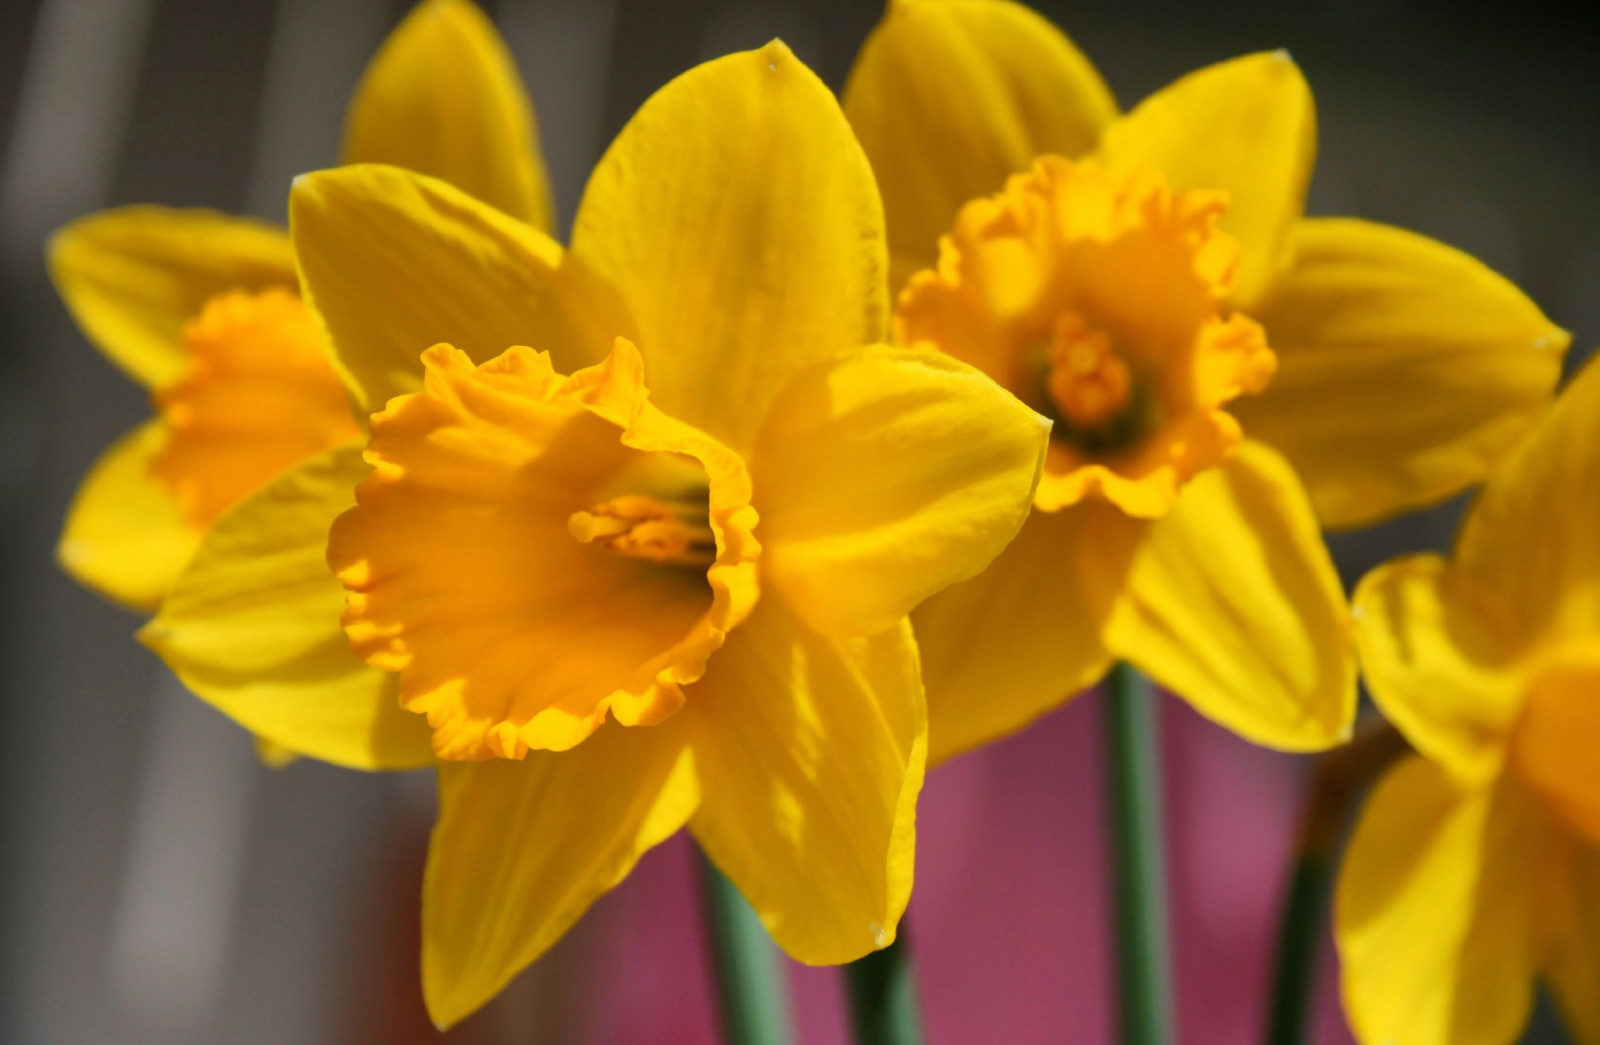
(1475, 869)
(653, 570)
(1225, 375)
(204, 309)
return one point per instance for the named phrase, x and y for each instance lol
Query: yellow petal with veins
(1406, 369)
(1232, 603)
(1435, 912)
(1026, 634)
(1246, 127)
(1530, 535)
(1440, 655)
(810, 752)
(885, 475)
(949, 97)
(124, 536)
(132, 277)
(475, 569)
(252, 627)
(522, 849)
(738, 218)
(443, 98)
(394, 262)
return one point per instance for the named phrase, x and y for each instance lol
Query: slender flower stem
(883, 996)
(1133, 790)
(750, 985)
(1340, 776)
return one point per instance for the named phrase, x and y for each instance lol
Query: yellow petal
(394, 262)
(1246, 126)
(885, 475)
(1233, 604)
(1023, 636)
(132, 277)
(1406, 369)
(124, 536)
(1558, 736)
(739, 220)
(1435, 912)
(443, 98)
(810, 752)
(1571, 921)
(252, 627)
(950, 96)
(1439, 659)
(522, 849)
(1530, 536)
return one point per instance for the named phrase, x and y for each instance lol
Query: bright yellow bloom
(1475, 869)
(204, 309)
(701, 506)
(1224, 375)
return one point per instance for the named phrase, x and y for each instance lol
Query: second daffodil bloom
(651, 570)
(204, 309)
(1475, 869)
(1224, 375)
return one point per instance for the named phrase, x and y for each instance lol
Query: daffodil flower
(204, 310)
(1475, 868)
(652, 571)
(1225, 376)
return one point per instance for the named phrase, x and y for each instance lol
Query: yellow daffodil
(204, 309)
(1223, 374)
(653, 570)
(1475, 869)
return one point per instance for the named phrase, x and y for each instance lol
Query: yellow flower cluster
(842, 438)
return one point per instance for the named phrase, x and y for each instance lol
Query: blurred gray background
(158, 884)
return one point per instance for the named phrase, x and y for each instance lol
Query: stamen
(644, 527)
(1089, 382)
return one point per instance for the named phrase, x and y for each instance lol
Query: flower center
(1555, 737)
(1099, 301)
(517, 623)
(1089, 382)
(642, 527)
(259, 395)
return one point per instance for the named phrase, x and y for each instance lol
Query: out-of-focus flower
(204, 309)
(532, 553)
(1224, 374)
(1475, 869)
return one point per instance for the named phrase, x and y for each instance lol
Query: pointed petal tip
(776, 53)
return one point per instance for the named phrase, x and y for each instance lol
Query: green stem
(1299, 933)
(1133, 788)
(1340, 776)
(883, 996)
(750, 984)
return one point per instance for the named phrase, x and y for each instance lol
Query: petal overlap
(801, 252)
(885, 475)
(811, 752)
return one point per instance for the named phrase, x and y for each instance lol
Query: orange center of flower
(1555, 737)
(1089, 383)
(1099, 300)
(259, 395)
(534, 552)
